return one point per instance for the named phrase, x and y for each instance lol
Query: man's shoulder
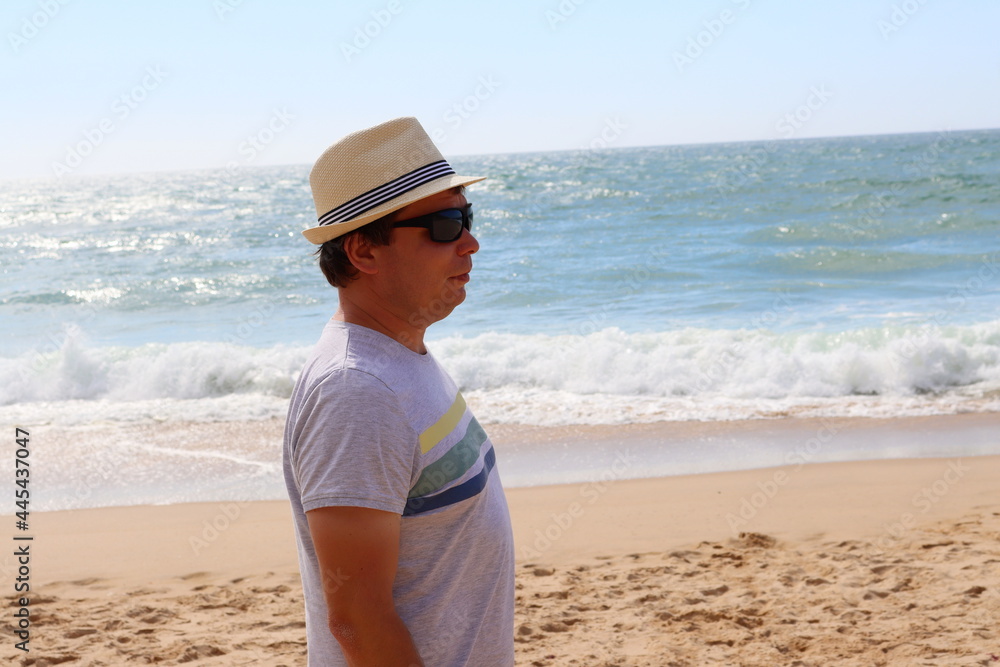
(346, 346)
(342, 394)
(353, 364)
(355, 355)
(356, 346)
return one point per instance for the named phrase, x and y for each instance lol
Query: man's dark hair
(333, 260)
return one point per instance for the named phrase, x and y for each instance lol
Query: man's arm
(358, 551)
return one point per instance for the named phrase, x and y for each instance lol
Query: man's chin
(454, 293)
(444, 307)
(441, 307)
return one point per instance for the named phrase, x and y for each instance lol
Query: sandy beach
(888, 562)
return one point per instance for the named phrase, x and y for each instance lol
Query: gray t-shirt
(374, 424)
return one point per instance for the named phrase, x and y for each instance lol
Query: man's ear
(360, 254)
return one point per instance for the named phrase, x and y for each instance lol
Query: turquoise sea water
(848, 276)
(808, 256)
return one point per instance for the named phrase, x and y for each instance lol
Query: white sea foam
(157, 371)
(605, 377)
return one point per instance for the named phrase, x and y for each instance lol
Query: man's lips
(463, 277)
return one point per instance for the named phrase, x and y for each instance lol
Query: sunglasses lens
(448, 225)
(446, 229)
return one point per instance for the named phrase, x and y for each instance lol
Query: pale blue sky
(144, 86)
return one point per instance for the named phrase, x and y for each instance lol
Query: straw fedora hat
(373, 172)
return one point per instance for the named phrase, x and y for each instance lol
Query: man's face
(423, 280)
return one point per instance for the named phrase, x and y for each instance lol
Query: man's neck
(382, 322)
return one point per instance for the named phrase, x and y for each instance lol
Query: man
(403, 533)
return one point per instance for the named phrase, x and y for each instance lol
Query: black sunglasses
(445, 226)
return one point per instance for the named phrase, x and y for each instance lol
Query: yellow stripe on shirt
(442, 427)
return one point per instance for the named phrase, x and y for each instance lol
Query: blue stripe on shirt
(455, 494)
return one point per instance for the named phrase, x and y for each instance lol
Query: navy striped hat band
(394, 188)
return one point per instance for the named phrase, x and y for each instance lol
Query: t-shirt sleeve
(354, 446)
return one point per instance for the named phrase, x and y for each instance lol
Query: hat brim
(324, 233)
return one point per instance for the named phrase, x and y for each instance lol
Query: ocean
(816, 278)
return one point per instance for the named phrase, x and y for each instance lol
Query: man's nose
(467, 243)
